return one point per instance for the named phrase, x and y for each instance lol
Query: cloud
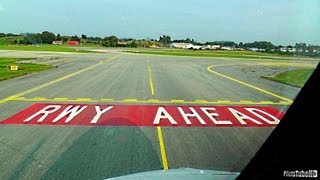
(124, 19)
(109, 1)
(260, 12)
(1, 8)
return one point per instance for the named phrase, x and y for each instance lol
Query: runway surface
(115, 78)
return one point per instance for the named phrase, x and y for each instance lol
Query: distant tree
(241, 45)
(223, 43)
(110, 41)
(94, 40)
(59, 37)
(83, 36)
(106, 43)
(134, 44)
(126, 39)
(260, 45)
(113, 40)
(75, 38)
(11, 34)
(3, 35)
(302, 46)
(165, 39)
(230, 43)
(23, 41)
(188, 40)
(47, 37)
(65, 38)
(31, 38)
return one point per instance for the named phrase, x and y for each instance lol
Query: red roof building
(73, 43)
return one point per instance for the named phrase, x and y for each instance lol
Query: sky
(279, 21)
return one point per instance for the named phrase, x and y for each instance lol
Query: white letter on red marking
(73, 111)
(166, 115)
(45, 111)
(193, 114)
(252, 110)
(99, 113)
(241, 117)
(211, 115)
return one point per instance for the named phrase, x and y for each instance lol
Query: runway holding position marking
(146, 115)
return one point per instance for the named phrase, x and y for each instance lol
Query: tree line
(47, 37)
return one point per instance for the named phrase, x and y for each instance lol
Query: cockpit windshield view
(149, 89)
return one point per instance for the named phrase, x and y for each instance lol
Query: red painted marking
(145, 115)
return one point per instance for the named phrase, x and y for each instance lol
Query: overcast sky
(279, 21)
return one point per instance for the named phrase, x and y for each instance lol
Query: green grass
(90, 45)
(294, 77)
(211, 53)
(47, 47)
(24, 68)
(9, 40)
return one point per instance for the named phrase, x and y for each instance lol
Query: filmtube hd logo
(301, 174)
